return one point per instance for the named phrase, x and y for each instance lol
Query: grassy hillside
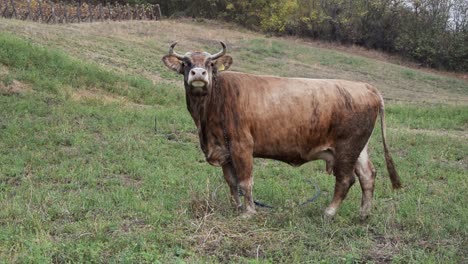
(99, 158)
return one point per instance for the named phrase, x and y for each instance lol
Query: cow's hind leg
(231, 179)
(345, 177)
(366, 173)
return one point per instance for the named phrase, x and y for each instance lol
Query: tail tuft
(394, 178)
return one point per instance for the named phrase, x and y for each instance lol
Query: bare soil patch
(15, 87)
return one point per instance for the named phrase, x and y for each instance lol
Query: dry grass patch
(216, 230)
(96, 94)
(181, 136)
(15, 87)
(134, 224)
(3, 71)
(130, 181)
(383, 250)
(102, 96)
(232, 238)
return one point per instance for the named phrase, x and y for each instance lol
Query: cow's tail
(396, 184)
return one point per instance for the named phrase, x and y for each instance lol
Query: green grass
(89, 180)
(422, 117)
(50, 70)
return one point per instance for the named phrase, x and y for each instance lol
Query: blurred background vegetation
(431, 32)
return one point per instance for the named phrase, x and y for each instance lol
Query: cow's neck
(204, 108)
(207, 112)
(197, 106)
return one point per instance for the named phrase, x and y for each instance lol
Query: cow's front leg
(249, 205)
(242, 161)
(231, 179)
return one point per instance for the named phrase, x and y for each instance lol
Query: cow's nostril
(192, 72)
(204, 73)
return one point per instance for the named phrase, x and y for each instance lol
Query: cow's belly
(294, 152)
(297, 159)
(292, 159)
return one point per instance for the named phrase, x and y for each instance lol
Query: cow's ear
(173, 63)
(223, 63)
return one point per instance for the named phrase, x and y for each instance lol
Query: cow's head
(198, 68)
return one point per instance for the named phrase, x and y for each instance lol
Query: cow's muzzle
(198, 81)
(198, 78)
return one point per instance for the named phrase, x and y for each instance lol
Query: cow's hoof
(364, 217)
(237, 209)
(248, 214)
(329, 214)
(364, 213)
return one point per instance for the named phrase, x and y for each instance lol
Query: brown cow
(240, 116)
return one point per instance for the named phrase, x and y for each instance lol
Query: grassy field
(99, 158)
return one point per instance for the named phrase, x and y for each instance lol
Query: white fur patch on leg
(362, 163)
(330, 211)
(364, 156)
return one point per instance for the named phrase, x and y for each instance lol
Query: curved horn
(219, 54)
(173, 53)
